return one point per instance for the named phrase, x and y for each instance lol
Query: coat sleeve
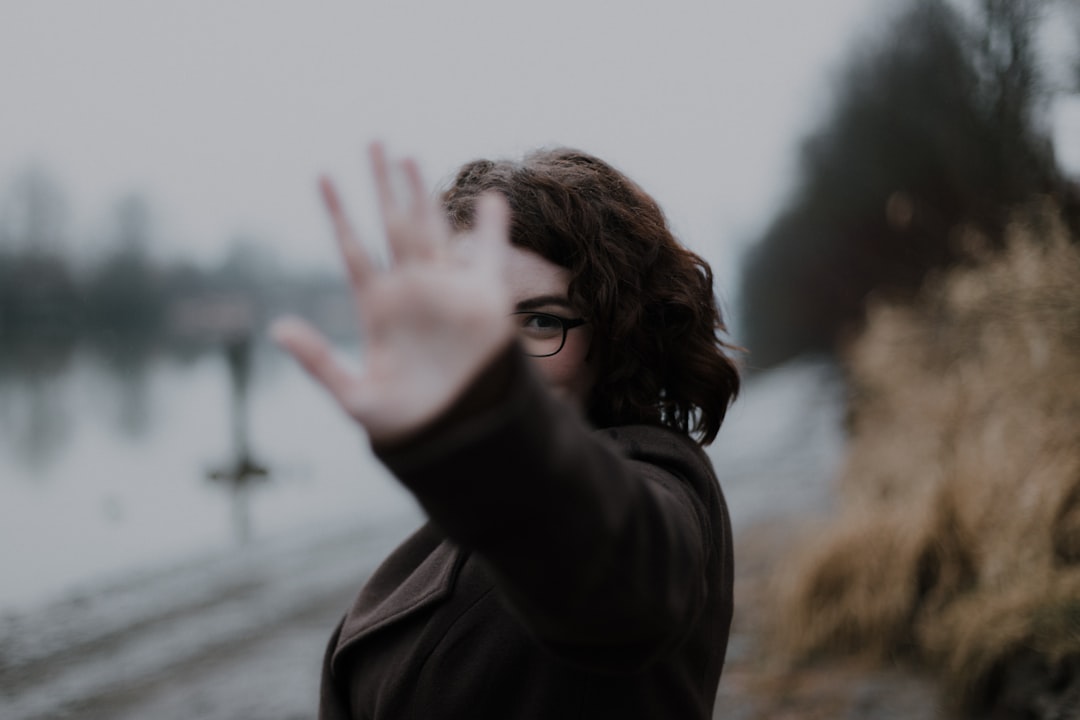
(601, 541)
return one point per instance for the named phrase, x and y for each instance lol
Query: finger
(357, 262)
(395, 221)
(384, 189)
(425, 232)
(491, 231)
(314, 354)
(418, 194)
(411, 232)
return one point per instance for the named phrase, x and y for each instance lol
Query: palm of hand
(430, 322)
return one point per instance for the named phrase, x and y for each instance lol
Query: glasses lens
(541, 334)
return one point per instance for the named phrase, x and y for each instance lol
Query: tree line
(123, 290)
(938, 126)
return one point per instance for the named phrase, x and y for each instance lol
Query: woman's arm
(605, 543)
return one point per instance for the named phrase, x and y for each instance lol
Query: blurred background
(183, 516)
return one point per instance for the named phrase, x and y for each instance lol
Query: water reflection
(127, 360)
(46, 382)
(43, 378)
(33, 406)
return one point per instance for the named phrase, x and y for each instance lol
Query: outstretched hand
(431, 321)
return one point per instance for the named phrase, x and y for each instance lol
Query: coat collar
(418, 573)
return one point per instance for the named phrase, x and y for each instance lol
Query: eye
(540, 325)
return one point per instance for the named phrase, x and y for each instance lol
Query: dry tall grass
(958, 539)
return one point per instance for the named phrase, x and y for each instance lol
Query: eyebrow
(544, 300)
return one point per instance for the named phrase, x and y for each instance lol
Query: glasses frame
(567, 324)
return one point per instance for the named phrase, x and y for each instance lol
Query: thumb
(314, 354)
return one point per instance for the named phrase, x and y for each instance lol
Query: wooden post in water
(242, 471)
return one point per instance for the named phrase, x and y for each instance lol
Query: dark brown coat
(565, 572)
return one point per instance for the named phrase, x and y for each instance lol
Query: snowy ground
(240, 634)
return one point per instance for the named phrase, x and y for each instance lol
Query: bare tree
(33, 216)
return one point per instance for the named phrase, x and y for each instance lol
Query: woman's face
(540, 285)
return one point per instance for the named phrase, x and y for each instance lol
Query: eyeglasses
(543, 334)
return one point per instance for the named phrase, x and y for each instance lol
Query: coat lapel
(418, 573)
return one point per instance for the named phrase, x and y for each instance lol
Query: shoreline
(242, 634)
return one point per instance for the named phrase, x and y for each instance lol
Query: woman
(539, 397)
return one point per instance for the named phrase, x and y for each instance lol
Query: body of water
(107, 467)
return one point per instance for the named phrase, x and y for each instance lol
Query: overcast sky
(223, 112)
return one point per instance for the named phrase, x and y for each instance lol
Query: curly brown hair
(657, 328)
